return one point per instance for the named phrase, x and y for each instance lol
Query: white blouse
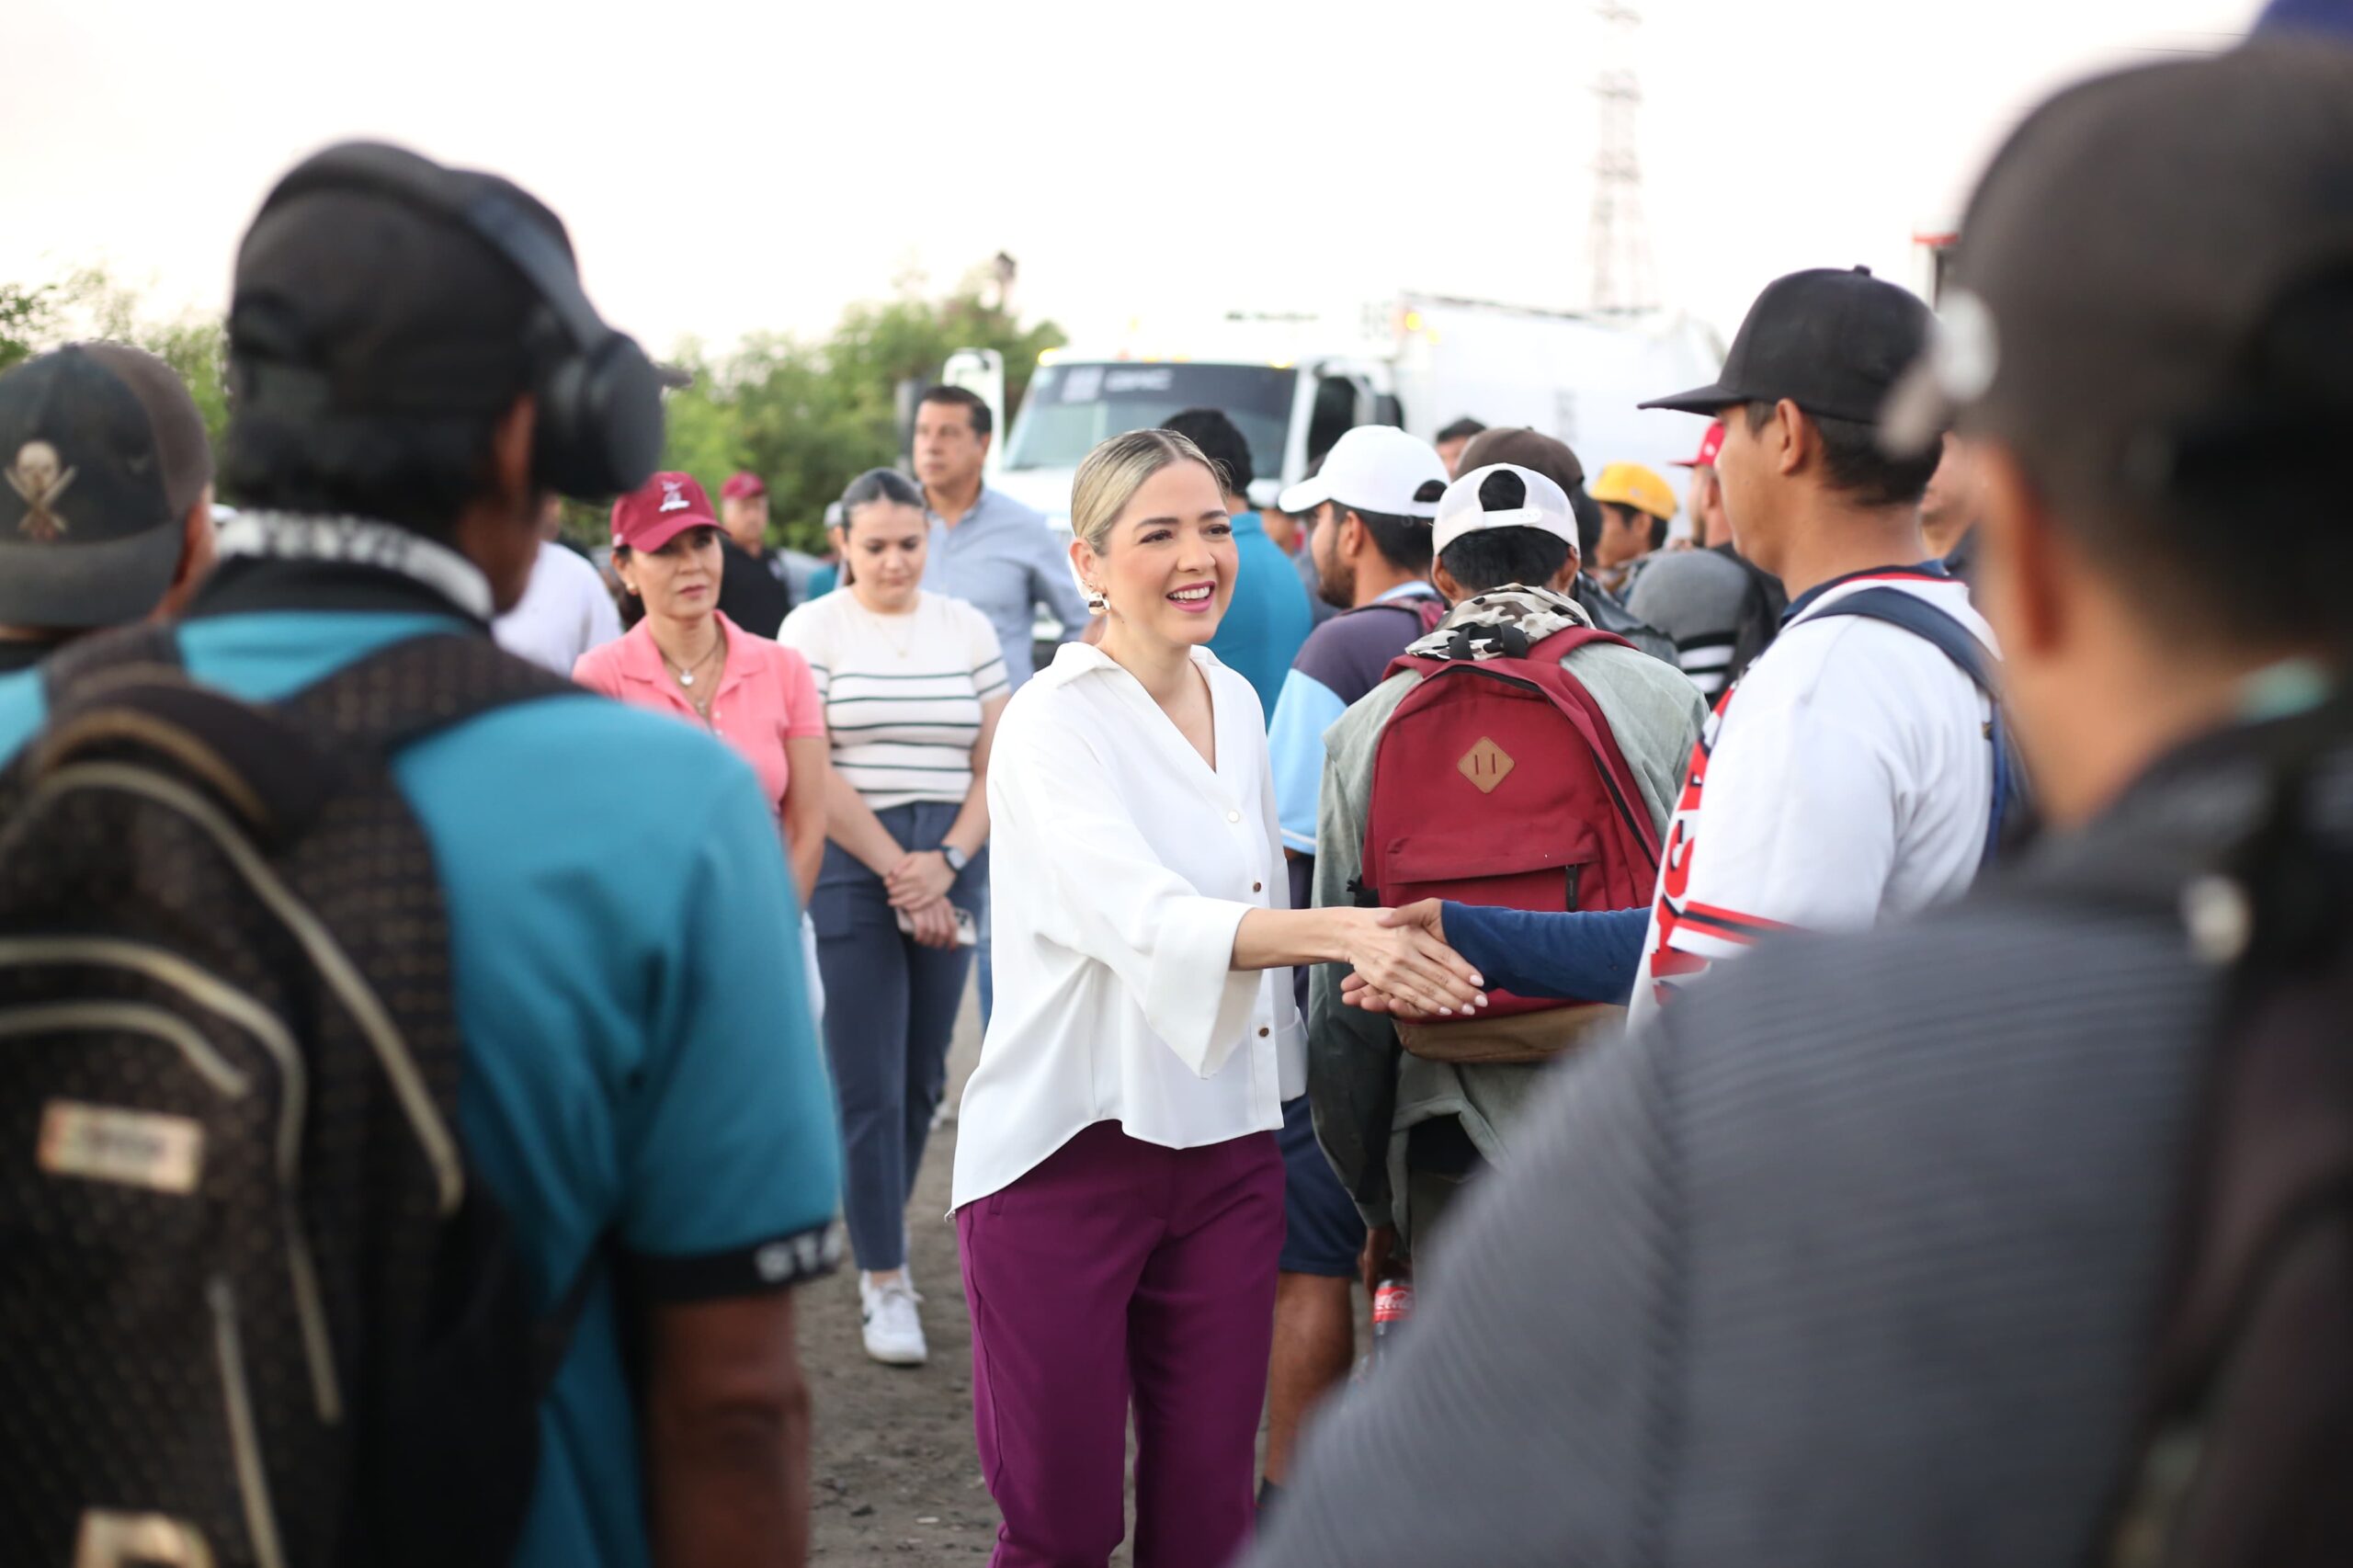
(1120, 868)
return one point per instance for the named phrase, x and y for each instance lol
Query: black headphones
(598, 397)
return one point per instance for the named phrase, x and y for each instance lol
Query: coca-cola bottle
(1393, 1305)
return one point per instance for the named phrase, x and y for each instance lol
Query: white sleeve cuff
(1194, 998)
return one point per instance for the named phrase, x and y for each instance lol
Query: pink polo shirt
(767, 695)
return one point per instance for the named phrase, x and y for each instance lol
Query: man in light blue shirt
(987, 549)
(1267, 617)
(992, 552)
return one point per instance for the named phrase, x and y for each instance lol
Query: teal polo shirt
(1269, 617)
(640, 1058)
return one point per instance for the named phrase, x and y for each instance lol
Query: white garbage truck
(1293, 383)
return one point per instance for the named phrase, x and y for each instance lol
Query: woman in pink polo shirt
(686, 658)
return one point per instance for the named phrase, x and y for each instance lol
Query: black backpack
(254, 1310)
(1762, 606)
(2246, 1443)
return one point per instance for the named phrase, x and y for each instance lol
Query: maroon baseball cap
(660, 510)
(746, 483)
(1710, 445)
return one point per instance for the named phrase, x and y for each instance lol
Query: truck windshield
(1070, 408)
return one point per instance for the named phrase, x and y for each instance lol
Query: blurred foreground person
(1950, 507)
(106, 516)
(1860, 1254)
(396, 1029)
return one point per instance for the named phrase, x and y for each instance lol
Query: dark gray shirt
(1852, 1260)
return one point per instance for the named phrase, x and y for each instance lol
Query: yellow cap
(1632, 484)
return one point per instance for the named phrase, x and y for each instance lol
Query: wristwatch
(957, 859)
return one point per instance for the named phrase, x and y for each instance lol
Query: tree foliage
(90, 304)
(806, 416)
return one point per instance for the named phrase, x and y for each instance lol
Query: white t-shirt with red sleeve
(1847, 778)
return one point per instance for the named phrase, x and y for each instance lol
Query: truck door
(1344, 400)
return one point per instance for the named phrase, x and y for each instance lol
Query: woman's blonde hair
(1112, 473)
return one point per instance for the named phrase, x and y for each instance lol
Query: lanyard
(359, 542)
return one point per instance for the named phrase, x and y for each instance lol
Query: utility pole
(1618, 234)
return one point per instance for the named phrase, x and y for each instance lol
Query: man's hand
(1429, 915)
(1402, 957)
(1359, 992)
(726, 1434)
(1380, 1246)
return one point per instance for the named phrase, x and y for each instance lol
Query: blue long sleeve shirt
(1591, 955)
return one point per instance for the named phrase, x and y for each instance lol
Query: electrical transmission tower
(1618, 234)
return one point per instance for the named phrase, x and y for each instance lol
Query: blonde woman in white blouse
(1119, 1196)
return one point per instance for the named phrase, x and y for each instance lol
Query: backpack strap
(417, 687)
(1957, 642)
(127, 693)
(104, 657)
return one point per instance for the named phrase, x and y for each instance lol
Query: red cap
(660, 510)
(1710, 445)
(744, 484)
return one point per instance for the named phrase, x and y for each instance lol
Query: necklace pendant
(687, 678)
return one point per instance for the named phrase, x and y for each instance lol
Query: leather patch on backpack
(1486, 765)
(134, 1148)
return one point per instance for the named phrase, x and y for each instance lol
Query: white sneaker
(893, 1332)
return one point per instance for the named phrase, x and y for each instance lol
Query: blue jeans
(889, 1010)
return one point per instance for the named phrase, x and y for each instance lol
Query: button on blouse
(1121, 864)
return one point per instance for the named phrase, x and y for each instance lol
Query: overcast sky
(728, 168)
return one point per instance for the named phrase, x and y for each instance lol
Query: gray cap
(88, 534)
(2147, 273)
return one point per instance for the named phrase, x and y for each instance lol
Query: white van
(1293, 383)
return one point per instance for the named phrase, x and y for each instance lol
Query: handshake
(1403, 967)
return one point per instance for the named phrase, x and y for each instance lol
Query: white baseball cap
(1373, 467)
(1503, 496)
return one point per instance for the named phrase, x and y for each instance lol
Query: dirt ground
(895, 1477)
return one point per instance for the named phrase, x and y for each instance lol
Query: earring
(1096, 603)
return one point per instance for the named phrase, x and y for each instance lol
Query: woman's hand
(1396, 953)
(935, 924)
(922, 878)
(1355, 992)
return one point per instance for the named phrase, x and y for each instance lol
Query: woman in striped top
(912, 684)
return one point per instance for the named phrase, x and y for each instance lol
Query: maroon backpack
(1498, 782)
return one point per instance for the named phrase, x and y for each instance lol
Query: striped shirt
(902, 693)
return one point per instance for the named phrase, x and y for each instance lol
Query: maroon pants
(1122, 1271)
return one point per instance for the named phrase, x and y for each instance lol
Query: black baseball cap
(181, 439)
(2154, 285)
(1832, 342)
(88, 534)
(353, 298)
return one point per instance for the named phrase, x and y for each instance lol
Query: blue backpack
(2013, 815)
